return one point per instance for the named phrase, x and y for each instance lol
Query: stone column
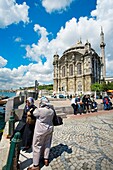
(66, 74)
(59, 77)
(74, 74)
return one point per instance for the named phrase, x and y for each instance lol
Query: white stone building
(78, 68)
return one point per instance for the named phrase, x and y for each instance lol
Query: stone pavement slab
(4, 147)
(83, 142)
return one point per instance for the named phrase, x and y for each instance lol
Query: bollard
(11, 124)
(13, 156)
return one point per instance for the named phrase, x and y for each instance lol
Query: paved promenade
(83, 142)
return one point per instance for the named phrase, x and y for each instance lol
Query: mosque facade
(78, 68)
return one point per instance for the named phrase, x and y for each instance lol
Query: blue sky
(31, 32)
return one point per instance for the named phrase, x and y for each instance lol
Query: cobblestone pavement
(83, 142)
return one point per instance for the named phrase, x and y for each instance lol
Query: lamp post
(36, 89)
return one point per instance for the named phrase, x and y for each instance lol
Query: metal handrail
(14, 151)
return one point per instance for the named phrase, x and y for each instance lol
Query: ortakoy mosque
(78, 68)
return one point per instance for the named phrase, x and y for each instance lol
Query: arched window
(63, 71)
(71, 70)
(79, 86)
(79, 68)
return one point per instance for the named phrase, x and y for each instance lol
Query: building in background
(78, 68)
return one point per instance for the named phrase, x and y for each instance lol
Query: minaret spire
(102, 46)
(102, 36)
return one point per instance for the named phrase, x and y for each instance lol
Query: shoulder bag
(57, 120)
(30, 118)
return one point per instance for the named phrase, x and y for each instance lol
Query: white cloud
(51, 6)
(18, 39)
(41, 48)
(11, 12)
(3, 62)
(109, 67)
(24, 76)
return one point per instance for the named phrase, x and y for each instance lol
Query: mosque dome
(78, 47)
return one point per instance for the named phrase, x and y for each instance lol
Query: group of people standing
(85, 104)
(36, 126)
(38, 133)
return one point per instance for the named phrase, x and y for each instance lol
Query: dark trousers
(74, 108)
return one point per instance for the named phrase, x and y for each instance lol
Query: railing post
(11, 124)
(13, 157)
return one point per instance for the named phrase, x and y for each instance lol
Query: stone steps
(60, 112)
(62, 115)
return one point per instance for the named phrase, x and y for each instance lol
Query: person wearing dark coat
(88, 103)
(84, 103)
(24, 127)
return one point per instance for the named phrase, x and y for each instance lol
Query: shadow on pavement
(26, 163)
(57, 151)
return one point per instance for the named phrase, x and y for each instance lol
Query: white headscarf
(44, 101)
(31, 100)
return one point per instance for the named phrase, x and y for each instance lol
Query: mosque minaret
(102, 46)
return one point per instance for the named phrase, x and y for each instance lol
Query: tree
(96, 87)
(45, 87)
(110, 86)
(102, 87)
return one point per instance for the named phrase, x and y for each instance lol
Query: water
(2, 111)
(8, 94)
